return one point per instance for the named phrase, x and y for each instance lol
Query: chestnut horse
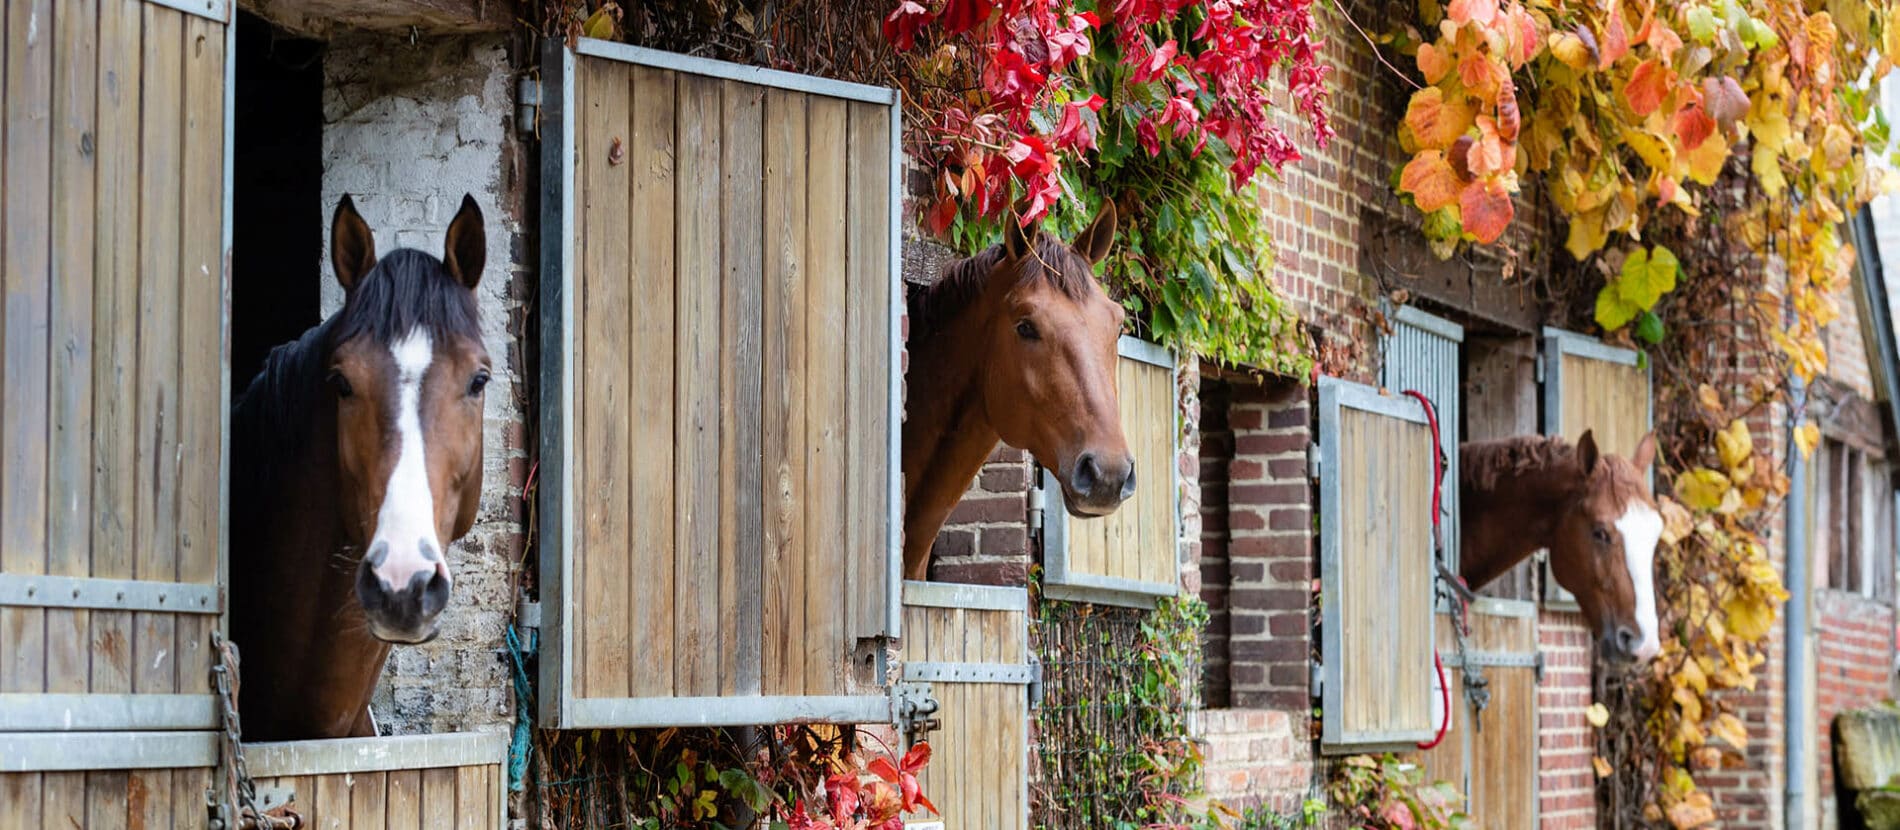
(356, 457)
(1593, 512)
(1017, 344)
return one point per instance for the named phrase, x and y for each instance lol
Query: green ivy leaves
(1645, 277)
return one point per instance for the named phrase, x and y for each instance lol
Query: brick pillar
(1270, 562)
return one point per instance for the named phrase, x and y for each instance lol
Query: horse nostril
(377, 553)
(1128, 483)
(369, 587)
(1627, 639)
(435, 595)
(1086, 474)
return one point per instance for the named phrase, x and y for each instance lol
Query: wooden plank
(867, 355)
(62, 800)
(471, 800)
(605, 645)
(154, 646)
(825, 402)
(405, 800)
(25, 162)
(69, 481)
(369, 801)
(650, 230)
(148, 796)
(20, 799)
(69, 520)
(75, 94)
(330, 809)
(438, 797)
(115, 315)
(188, 797)
(696, 383)
(201, 304)
(741, 385)
(105, 807)
(784, 367)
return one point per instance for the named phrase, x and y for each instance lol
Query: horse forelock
(964, 281)
(406, 291)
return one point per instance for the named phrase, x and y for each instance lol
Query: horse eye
(1027, 330)
(478, 383)
(340, 383)
(1602, 535)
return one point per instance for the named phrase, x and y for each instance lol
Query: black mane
(964, 280)
(272, 418)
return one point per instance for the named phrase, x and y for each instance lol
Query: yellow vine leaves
(1625, 108)
(1719, 624)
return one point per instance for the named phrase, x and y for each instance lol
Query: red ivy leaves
(987, 148)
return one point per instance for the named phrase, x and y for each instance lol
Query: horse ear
(1095, 240)
(1587, 452)
(352, 247)
(466, 249)
(1017, 239)
(1645, 452)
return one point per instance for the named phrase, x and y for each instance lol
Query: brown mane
(1054, 263)
(1482, 463)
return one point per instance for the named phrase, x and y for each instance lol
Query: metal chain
(240, 792)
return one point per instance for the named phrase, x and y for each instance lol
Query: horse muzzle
(401, 604)
(1096, 485)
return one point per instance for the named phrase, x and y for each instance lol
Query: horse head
(1604, 549)
(1048, 380)
(406, 374)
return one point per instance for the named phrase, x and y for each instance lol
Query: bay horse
(356, 457)
(1593, 512)
(1017, 344)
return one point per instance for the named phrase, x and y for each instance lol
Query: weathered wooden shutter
(1128, 557)
(117, 225)
(406, 782)
(1421, 353)
(1492, 756)
(1375, 567)
(1593, 386)
(719, 392)
(967, 648)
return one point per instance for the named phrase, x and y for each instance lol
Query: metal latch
(916, 709)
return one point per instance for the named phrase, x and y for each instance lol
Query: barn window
(1128, 557)
(1589, 385)
(1376, 597)
(719, 392)
(1854, 521)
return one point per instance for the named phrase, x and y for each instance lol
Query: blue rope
(520, 747)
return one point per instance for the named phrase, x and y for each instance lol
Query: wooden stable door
(1491, 755)
(966, 647)
(112, 407)
(718, 537)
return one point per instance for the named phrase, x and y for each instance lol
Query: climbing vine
(1040, 108)
(1701, 158)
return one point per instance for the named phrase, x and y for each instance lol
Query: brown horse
(1593, 512)
(356, 457)
(1017, 344)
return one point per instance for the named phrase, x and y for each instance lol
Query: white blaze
(407, 517)
(1641, 527)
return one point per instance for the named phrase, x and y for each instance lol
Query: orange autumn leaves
(1620, 105)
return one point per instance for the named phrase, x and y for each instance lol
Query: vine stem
(1376, 52)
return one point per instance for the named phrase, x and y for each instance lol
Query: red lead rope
(1438, 483)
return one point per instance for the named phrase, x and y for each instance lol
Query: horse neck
(1502, 526)
(309, 663)
(947, 435)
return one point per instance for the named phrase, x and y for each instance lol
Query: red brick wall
(986, 539)
(1566, 780)
(1216, 454)
(1854, 666)
(1257, 758)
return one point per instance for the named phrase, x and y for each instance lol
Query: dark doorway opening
(277, 221)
